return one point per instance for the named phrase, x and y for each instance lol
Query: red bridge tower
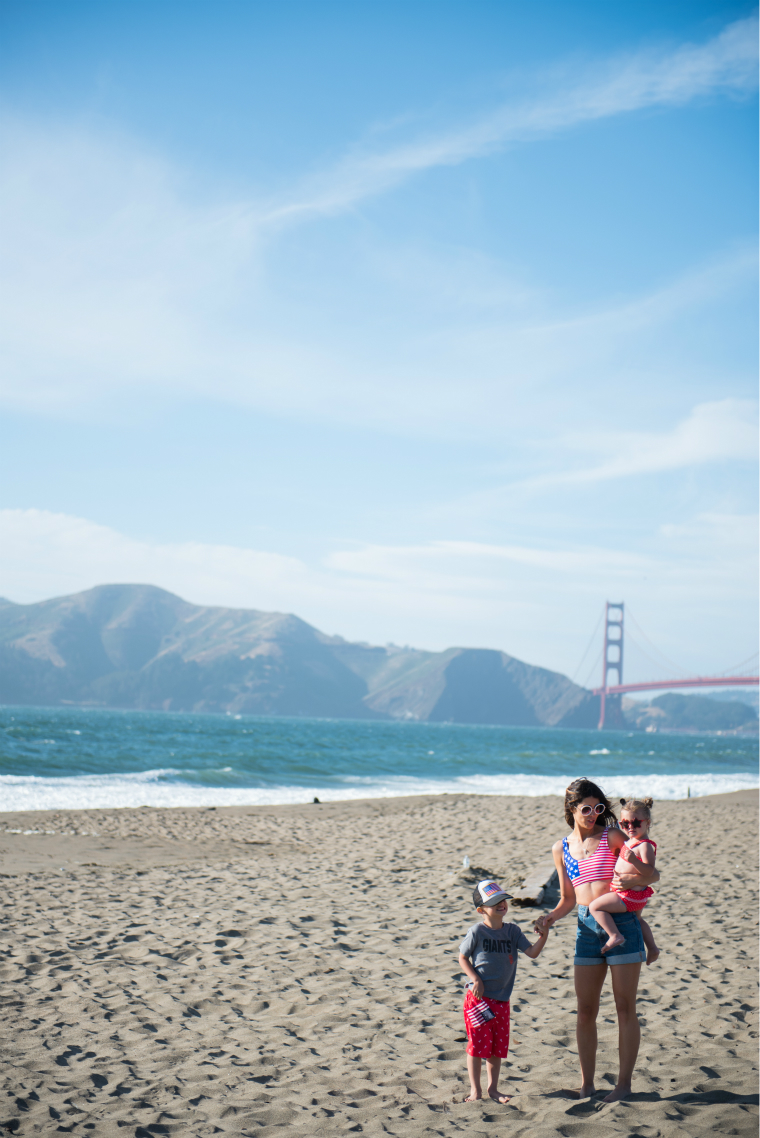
(612, 661)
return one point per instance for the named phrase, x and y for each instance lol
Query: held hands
(542, 924)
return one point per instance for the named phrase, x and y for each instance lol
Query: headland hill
(140, 647)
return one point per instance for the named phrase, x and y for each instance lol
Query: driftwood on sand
(542, 877)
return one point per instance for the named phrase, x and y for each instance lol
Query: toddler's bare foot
(621, 1091)
(498, 1097)
(613, 942)
(472, 1097)
(652, 954)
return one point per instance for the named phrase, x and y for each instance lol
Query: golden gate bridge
(612, 661)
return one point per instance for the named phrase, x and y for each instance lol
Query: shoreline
(117, 792)
(25, 823)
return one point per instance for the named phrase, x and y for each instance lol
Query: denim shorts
(591, 936)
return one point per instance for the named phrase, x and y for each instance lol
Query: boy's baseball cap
(489, 893)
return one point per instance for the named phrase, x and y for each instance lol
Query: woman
(585, 862)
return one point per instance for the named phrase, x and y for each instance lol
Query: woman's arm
(567, 894)
(477, 984)
(624, 879)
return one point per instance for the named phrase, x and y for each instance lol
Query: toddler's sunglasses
(633, 824)
(587, 811)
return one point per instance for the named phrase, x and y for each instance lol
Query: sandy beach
(278, 970)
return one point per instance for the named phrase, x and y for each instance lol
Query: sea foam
(158, 788)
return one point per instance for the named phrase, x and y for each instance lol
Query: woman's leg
(601, 909)
(625, 981)
(589, 979)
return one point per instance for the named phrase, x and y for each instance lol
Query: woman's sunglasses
(587, 811)
(633, 824)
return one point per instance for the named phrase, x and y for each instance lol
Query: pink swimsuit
(636, 899)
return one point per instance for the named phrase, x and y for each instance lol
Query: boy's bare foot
(652, 954)
(613, 942)
(498, 1097)
(620, 1092)
(584, 1092)
(472, 1097)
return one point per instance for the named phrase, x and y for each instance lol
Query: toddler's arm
(477, 984)
(645, 858)
(535, 949)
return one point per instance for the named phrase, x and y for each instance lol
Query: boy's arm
(477, 984)
(535, 949)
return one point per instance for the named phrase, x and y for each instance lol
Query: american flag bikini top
(599, 867)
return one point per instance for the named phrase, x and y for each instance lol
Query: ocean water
(53, 758)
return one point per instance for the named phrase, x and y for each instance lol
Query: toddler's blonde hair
(638, 805)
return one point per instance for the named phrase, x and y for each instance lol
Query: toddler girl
(635, 820)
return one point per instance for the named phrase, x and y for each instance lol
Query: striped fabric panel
(599, 867)
(479, 1014)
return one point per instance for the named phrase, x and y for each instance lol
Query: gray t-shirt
(493, 955)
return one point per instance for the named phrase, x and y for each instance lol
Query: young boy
(488, 954)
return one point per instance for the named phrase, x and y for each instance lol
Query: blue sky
(434, 323)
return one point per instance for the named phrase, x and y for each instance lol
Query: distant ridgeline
(676, 712)
(136, 646)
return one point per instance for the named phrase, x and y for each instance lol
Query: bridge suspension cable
(656, 663)
(588, 646)
(661, 654)
(736, 667)
(594, 668)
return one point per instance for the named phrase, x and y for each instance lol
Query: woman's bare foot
(652, 954)
(621, 1091)
(613, 942)
(498, 1097)
(584, 1092)
(472, 1097)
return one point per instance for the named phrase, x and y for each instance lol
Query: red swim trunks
(634, 899)
(489, 1040)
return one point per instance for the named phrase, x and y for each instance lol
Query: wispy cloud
(726, 63)
(734, 533)
(469, 567)
(113, 280)
(722, 431)
(47, 554)
(462, 566)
